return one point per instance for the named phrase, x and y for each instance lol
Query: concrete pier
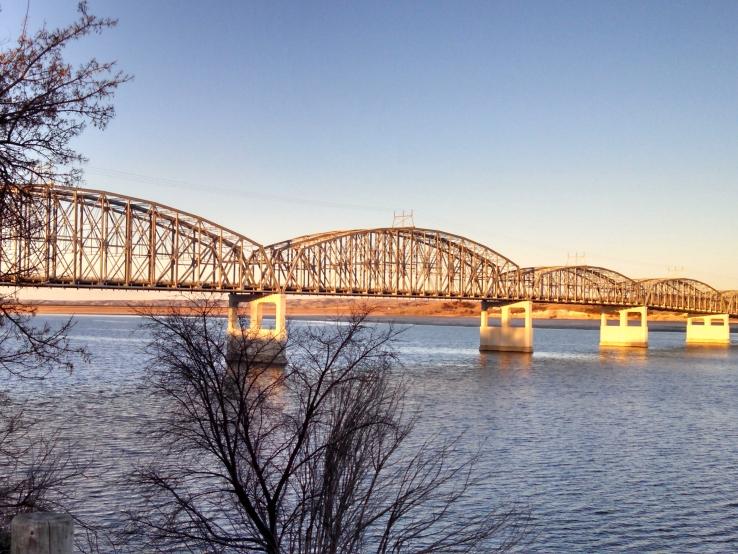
(708, 329)
(622, 333)
(263, 344)
(507, 338)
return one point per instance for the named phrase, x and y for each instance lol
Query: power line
(179, 184)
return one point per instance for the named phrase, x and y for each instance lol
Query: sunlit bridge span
(90, 238)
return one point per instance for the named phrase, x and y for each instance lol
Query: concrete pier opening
(257, 343)
(625, 331)
(708, 329)
(507, 338)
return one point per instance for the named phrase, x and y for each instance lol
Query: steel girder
(730, 298)
(602, 286)
(682, 295)
(91, 238)
(578, 285)
(85, 237)
(404, 261)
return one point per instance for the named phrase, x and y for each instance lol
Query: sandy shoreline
(461, 313)
(295, 309)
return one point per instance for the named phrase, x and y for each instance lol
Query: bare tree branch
(45, 102)
(311, 457)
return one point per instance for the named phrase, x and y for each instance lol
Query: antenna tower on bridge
(403, 219)
(579, 258)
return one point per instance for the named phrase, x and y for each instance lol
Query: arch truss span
(580, 284)
(730, 299)
(682, 295)
(405, 261)
(59, 236)
(84, 237)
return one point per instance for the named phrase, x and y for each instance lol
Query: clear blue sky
(538, 128)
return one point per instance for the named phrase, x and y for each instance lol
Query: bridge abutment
(257, 344)
(622, 333)
(507, 338)
(708, 329)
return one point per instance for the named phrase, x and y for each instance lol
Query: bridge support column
(257, 344)
(708, 329)
(506, 338)
(622, 333)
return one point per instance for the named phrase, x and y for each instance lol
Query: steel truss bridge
(89, 238)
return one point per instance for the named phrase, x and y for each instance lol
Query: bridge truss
(392, 262)
(90, 238)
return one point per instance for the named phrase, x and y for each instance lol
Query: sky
(603, 133)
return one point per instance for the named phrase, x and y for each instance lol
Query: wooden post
(41, 533)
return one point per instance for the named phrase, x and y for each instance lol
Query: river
(625, 450)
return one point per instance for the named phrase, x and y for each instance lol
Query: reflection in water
(622, 354)
(260, 380)
(506, 360)
(714, 351)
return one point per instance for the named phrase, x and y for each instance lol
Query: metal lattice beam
(579, 285)
(91, 238)
(685, 295)
(394, 262)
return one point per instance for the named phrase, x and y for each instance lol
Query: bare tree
(313, 457)
(45, 102)
(34, 468)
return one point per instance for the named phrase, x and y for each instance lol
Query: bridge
(75, 237)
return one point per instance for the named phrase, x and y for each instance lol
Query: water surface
(622, 450)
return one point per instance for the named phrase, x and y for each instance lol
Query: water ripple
(613, 451)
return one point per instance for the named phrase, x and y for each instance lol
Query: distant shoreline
(411, 315)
